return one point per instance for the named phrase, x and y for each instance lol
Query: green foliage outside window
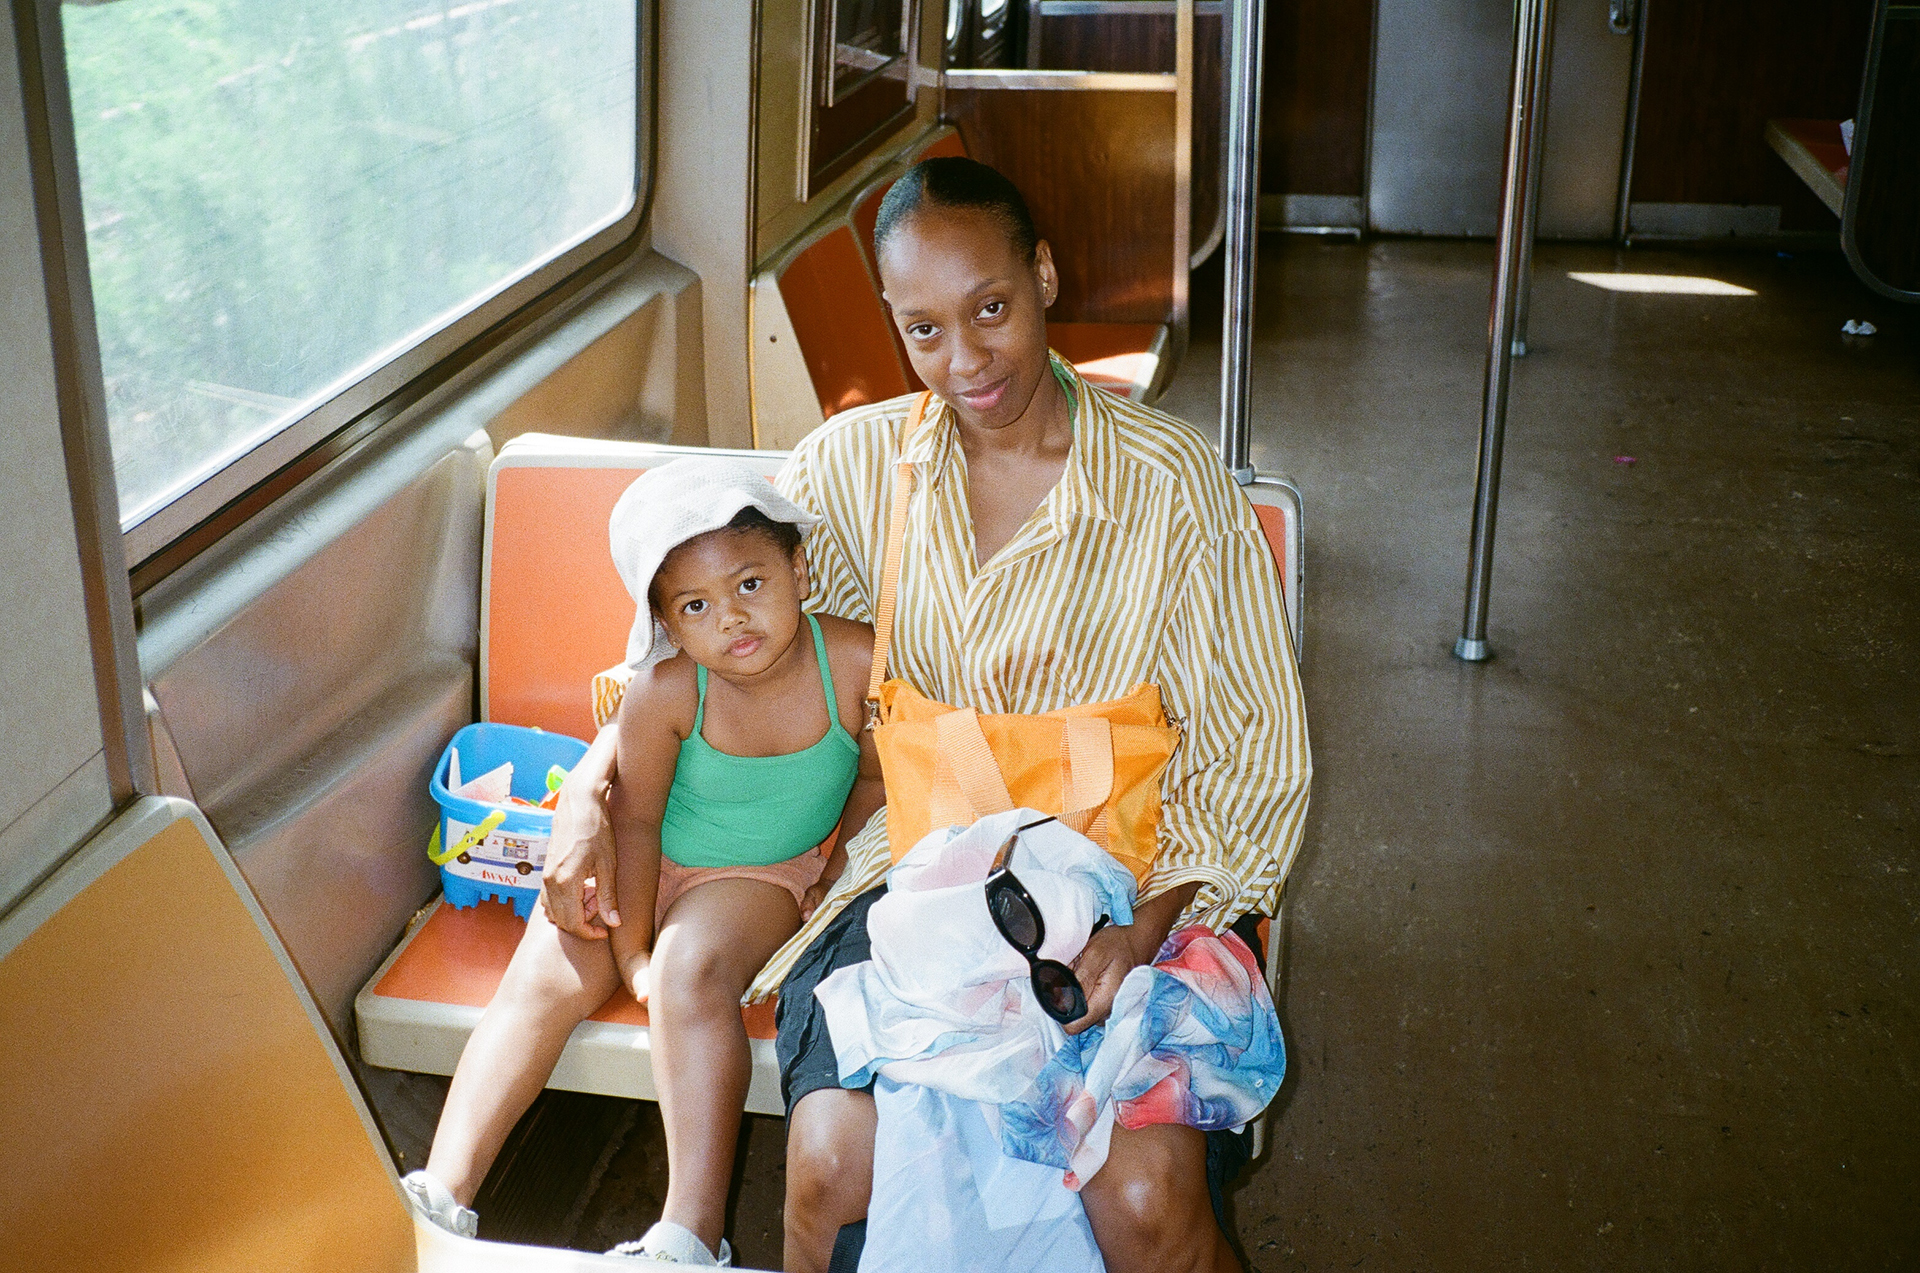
(280, 194)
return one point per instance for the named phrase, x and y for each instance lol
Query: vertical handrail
(1182, 317)
(1536, 149)
(1533, 23)
(1623, 211)
(1241, 194)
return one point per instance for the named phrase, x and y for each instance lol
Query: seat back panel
(177, 1104)
(556, 609)
(1277, 505)
(842, 328)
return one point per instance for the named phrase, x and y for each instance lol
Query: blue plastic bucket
(502, 861)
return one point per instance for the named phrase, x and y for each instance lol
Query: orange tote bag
(1097, 766)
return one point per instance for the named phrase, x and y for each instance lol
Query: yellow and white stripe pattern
(1145, 563)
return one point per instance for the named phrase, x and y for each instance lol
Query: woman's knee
(830, 1157)
(1149, 1205)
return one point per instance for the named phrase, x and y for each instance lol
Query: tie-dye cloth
(945, 1003)
(1192, 1039)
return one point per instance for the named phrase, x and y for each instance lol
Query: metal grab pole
(1536, 144)
(1242, 198)
(1533, 23)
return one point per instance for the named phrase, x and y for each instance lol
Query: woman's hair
(953, 182)
(748, 519)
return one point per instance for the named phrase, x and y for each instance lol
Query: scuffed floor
(1601, 955)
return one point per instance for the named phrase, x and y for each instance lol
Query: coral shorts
(796, 875)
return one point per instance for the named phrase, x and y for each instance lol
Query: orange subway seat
(845, 335)
(557, 612)
(459, 957)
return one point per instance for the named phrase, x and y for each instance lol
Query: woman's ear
(1045, 274)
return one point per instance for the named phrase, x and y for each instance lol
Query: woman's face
(973, 315)
(731, 600)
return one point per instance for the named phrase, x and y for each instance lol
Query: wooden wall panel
(846, 133)
(1716, 71)
(1097, 171)
(1108, 42)
(1318, 81)
(1209, 120)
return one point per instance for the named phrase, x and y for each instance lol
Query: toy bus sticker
(504, 858)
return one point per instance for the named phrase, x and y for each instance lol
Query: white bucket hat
(663, 509)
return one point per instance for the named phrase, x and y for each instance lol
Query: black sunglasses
(1018, 919)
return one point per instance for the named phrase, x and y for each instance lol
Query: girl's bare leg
(715, 939)
(553, 983)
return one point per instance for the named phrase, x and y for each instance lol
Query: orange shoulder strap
(890, 563)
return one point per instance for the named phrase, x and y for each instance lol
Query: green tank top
(725, 810)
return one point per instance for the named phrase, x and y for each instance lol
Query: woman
(1065, 545)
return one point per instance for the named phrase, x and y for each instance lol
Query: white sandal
(435, 1202)
(671, 1243)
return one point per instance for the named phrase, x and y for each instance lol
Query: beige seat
(175, 1101)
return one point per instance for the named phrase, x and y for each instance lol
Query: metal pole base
(1468, 650)
(1243, 476)
(1519, 349)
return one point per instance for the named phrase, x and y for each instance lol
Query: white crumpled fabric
(945, 1018)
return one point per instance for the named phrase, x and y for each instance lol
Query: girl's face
(731, 600)
(973, 315)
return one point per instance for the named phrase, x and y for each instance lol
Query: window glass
(281, 195)
(864, 38)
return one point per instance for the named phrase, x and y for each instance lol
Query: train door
(1439, 116)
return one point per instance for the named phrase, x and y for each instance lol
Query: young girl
(737, 756)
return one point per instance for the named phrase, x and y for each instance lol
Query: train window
(980, 33)
(291, 208)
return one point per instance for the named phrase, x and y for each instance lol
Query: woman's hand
(1102, 965)
(577, 882)
(836, 864)
(1117, 949)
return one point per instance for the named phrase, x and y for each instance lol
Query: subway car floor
(1601, 954)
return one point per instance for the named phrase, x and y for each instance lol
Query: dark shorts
(805, 1048)
(801, 1042)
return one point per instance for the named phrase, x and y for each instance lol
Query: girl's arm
(850, 654)
(868, 797)
(578, 883)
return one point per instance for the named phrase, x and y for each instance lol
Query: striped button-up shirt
(1144, 563)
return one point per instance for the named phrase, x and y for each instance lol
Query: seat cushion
(1123, 358)
(845, 335)
(459, 957)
